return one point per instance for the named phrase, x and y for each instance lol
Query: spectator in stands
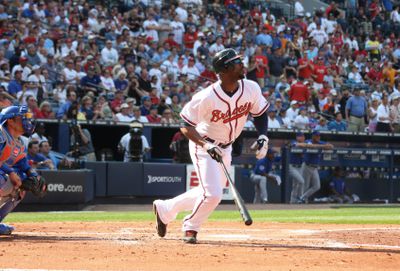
(273, 122)
(337, 124)
(383, 115)
(356, 111)
(39, 133)
(276, 66)
(124, 115)
(44, 149)
(37, 160)
(301, 121)
(167, 117)
(146, 104)
(90, 82)
(299, 92)
(137, 115)
(16, 84)
(153, 116)
(62, 111)
(322, 124)
(395, 113)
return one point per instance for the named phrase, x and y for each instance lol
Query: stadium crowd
(330, 69)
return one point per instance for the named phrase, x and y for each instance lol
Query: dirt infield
(222, 246)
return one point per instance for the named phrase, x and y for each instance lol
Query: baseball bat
(238, 199)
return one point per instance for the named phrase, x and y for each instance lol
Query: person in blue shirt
(91, 81)
(312, 182)
(44, 149)
(15, 85)
(36, 159)
(337, 186)
(337, 124)
(63, 110)
(260, 174)
(295, 169)
(356, 111)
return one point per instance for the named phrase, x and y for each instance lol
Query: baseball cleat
(190, 237)
(5, 229)
(160, 226)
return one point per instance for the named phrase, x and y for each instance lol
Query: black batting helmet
(224, 58)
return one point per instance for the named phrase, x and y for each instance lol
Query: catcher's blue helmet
(13, 111)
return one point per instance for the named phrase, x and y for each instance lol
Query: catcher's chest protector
(13, 150)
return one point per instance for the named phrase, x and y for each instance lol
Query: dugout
(368, 172)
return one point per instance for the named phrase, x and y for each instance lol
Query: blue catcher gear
(10, 112)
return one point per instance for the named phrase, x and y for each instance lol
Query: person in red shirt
(305, 68)
(208, 75)
(262, 68)
(325, 90)
(31, 102)
(337, 41)
(153, 117)
(256, 15)
(374, 75)
(170, 40)
(319, 72)
(190, 37)
(118, 100)
(299, 92)
(374, 9)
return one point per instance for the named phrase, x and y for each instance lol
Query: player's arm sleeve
(261, 123)
(260, 104)
(192, 111)
(23, 165)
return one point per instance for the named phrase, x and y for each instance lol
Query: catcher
(16, 175)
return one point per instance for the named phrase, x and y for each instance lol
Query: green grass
(362, 215)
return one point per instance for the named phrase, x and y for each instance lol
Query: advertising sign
(193, 181)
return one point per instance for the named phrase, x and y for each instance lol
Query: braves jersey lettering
(238, 112)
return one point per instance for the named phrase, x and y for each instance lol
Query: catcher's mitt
(36, 184)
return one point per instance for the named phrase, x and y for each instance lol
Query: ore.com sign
(59, 187)
(192, 181)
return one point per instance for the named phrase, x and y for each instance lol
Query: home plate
(229, 236)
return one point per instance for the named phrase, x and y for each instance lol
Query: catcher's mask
(28, 123)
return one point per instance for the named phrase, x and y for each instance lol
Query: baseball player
(309, 168)
(260, 174)
(16, 175)
(295, 169)
(214, 118)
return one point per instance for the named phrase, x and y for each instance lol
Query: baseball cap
(124, 105)
(22, 58)
(333, 92)
(130, 100)
(293, 102)
(315, 133)
(145, 98)
(299, 134)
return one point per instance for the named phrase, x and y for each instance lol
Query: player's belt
(223, 146)
(312, 165)
(296, 165)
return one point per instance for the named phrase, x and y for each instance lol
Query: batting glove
(214, 151)
(262, 146)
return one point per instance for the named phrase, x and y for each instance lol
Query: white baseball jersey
(220, 117)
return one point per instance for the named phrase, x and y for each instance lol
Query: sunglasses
(236, 61)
